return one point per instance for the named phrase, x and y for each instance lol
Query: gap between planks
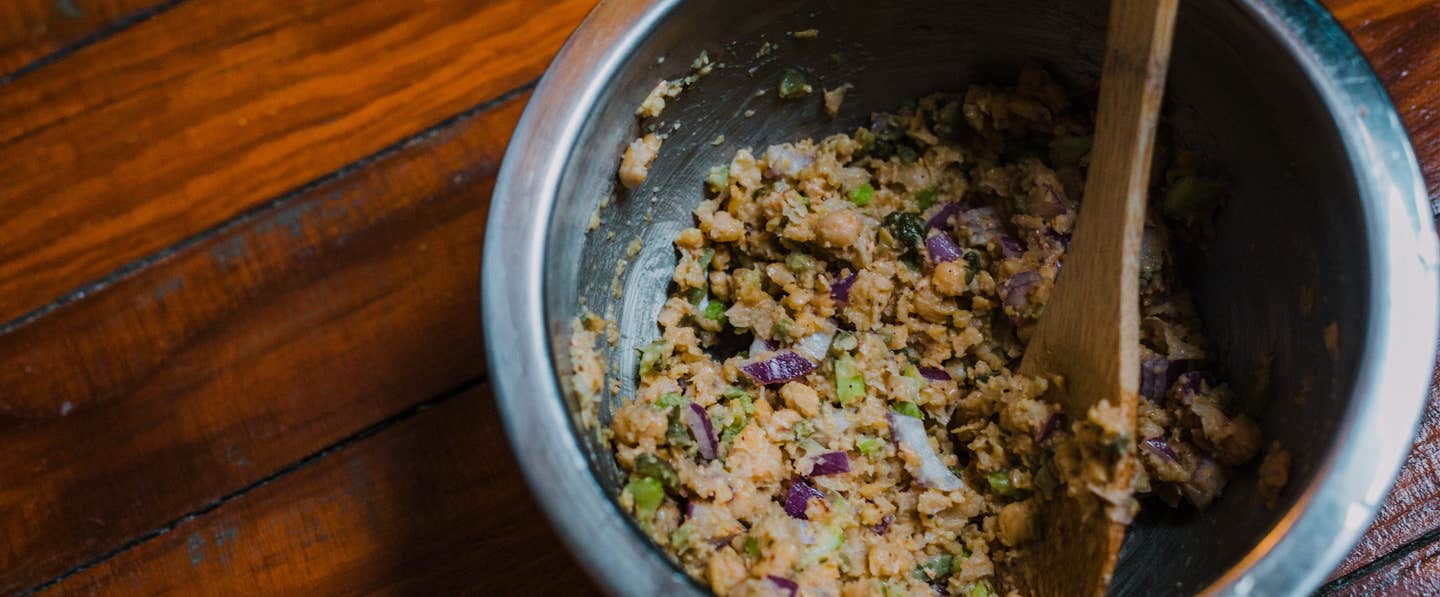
(116, 26)
(278, 474)
(138, 265)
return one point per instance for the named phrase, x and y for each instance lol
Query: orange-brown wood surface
(240, 349)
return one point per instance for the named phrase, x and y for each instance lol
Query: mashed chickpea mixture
(831, 407)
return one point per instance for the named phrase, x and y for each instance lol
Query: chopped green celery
(869, 445)
(669, 399)
(716, 178)
(908, 409)
(696, 295)
(1191, 197)
(715, 310)
(917, 381)
(741, 407)
(803, 428)
(799, 262)
(781, 331)
(861, 195)
(864, 137)
(979, 588)
(792, 84)
(680, 538)
(830, 537)
(647, 493)
(849, 382)
(752, 547)
(653, 466)
(846, 340)
(1000, 483)
(652, 357)
(706, 257)
(677, 433)
(925, 198)
(935, 568)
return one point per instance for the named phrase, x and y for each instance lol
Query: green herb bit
(715, 310)
(793, 85)
(648, 494)
(752, 547)
(869, 445)
(669, 400)
(738, 396)
(680, 538)
(706, 257)
(908, 409)
(864, 137)
(926, 198)
(1192, 197)
(782, 329)
(1000, 483)
(799, 262)
(861, 195)
(849, 382)
(652, 357)
(935, 568)
(846, 340)
(906, 153)
(803, 428)
(908, 228)
(650, 465)
(717, 178)
(696, 295)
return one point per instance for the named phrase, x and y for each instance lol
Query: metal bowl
(1327, 201)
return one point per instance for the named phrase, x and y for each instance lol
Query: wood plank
(1415, 573)
(214, 107)
(31, 29)
(434, 505)
(1401, 38)
(245, 351)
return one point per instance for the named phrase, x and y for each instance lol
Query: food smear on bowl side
(873, 438)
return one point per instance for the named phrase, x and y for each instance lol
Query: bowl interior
(1292, 232)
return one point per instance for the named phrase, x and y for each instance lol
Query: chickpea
(801, 398)
(725, 228)
(840, 229)
(949, 278)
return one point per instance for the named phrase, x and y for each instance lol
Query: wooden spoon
(1089, 333)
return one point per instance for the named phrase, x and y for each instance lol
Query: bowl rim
(1318, 529)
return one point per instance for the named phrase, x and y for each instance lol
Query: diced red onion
(941, 249)
(840, 289)
(785, 585)
(884, 526)
(941, 218)
(830, 463)
(1159, 447)
(933, 374)
(759, 346)
(816, 345)
(1048, 428)
(1063, 239)
(786, 160)
(1154, 378)
(700, 426)
(1048, 204)
(1013, 247)
(982, 222)
(1193, 381)
(798, 496)
(782, 367)
(909, 432)
(1015, 290)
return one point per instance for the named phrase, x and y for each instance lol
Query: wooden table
(239, 254)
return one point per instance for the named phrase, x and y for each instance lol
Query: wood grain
(245, 351)
(433, 505)
(1415, 573)
(1090, 332)
(31, 29)
(1401, 38)
(214, 107)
